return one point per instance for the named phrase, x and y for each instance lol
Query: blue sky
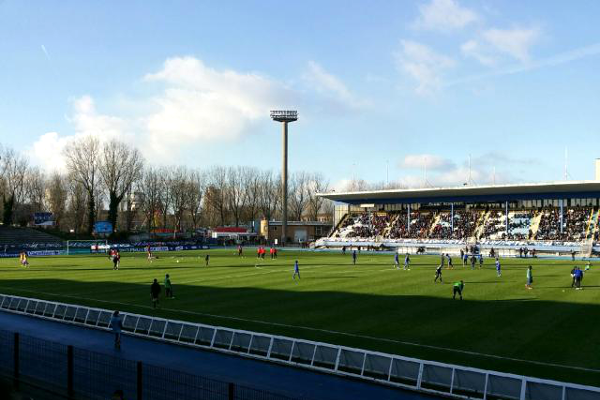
(385, 85)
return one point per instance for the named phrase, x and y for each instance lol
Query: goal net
(87, 246)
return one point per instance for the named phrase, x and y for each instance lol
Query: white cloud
(193, 103)
(87, 121)
(442, 172)
(423, 65)
(433, 162)
(342, 185)
(48, 149)
(514, 42)
(473, 48)
(326, 83)
(444, 16)
(456, 176)
(204, 104)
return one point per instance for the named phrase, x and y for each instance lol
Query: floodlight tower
(285, 117)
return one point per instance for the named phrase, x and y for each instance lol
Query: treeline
(112, 181)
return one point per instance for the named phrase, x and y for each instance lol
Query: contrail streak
(562, 58)
(45, 52)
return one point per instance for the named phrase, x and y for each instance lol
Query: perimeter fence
(393, 370)
(73, 373)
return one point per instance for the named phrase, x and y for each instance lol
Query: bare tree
(316, 184)
(165, 176)
(357, 185)
(216, 192)
(380, 185)
(57, 197)
(179, 195)
(13, 169)
(269, 194)
(327, 209)
(131, 206)
(298, 197)
(252, 187)
(195, 188)
(150, 196)
(120, 166)
(83, 162)
(77, 204)
(236, 192)
(35, 184)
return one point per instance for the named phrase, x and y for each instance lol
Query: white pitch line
(226, 277)
(473, 353)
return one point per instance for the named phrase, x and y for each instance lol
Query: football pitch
(549, 332)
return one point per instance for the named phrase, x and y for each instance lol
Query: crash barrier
(403, 372)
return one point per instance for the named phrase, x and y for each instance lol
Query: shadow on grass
(524, 299)
(523, 328)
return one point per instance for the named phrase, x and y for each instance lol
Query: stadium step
(481, 224)
(387, 231)
(14, 236)
(535, 224)
(339, 224)
(591, 224)
(434, 223)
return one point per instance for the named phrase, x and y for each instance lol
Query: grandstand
(553, 218)
(17, 239)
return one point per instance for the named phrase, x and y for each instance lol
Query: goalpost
(87, 246)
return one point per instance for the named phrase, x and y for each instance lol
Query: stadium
(364, 318)
(546, 218)
(231, 200)
(374, 307)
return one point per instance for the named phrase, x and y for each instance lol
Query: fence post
(523, 388)
(485, 387)
(70, 391)
(16, 360)
(420, 376)
(139, 380)
(231, 391)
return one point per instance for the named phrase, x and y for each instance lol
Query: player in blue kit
(498, 267)
(407, 262)
(438, 274)
(397, 260)
(296, 270)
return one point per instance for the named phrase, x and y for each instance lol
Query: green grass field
(549, 332)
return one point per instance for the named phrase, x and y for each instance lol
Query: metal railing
(403, 372)
(72, 373)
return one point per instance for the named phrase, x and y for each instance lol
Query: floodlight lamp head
(284, 115)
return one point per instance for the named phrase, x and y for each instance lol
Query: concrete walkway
(293, 382)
